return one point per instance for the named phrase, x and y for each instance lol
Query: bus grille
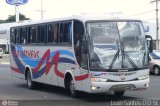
(122, 87)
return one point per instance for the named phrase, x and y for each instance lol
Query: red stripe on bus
(49, 64)
(46, 57)
(60, 74)
(82, 77)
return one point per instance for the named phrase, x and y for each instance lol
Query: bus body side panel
(43, 69)
(48, 64)
(37, 59)
(86, 82)
(67, 63)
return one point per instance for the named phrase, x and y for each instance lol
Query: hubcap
(72, 88)
(29, 79)
(156, 71)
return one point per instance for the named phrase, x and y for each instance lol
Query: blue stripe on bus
(66, 53)
(34, 62)
(38, 73)
(66, 60)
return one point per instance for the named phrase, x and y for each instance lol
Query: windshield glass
(117, 45)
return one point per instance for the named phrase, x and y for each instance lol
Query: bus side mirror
(85, 47)
(149, 43)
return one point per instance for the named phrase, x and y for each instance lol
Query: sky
(141, 9)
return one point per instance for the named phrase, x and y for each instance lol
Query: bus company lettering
(28, 53)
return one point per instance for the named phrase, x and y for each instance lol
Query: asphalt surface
(14, 91)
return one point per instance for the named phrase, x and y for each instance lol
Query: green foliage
(2, 21)
(12, 18)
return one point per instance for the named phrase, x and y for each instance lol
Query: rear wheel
(119, 93)
(156, 70)
(30, 83)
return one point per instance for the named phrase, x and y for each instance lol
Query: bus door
(81, 57)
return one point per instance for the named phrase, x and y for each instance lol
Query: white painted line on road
(4, 68)
(4, 63)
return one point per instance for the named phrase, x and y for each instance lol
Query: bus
(82, 53)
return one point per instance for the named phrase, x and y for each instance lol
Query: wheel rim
(29, 80)
(156, 71)
(72, 87)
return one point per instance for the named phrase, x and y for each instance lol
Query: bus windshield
(117, 45)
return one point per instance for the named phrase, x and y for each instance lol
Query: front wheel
(72, 90)
(119, 93)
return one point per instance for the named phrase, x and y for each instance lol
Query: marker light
(98, 79)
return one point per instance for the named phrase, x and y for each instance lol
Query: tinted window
(78, 35)
(41, 34)
(18, 35)
(53, 33)
(33, 34)
(66, 33)
(28, 34)
(23, 36)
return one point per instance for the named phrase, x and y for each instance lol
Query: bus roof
(82, 18)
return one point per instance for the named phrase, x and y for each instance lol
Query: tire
(119, 93)
(30, 83)
(156, 70)
(72, 89)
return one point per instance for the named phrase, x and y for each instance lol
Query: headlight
(98, 79)
(143, 77)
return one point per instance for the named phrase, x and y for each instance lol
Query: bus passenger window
(23, 36)
(66, 33)
(41, 34)
(33, 35)
(70, 34)
(53, 33)
(17, 35)
(50, 34)
(63, 37)
(28, 35)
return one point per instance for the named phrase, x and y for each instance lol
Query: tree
(12, 18)
(1, 21)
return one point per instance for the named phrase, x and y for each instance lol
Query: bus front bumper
(102, 87)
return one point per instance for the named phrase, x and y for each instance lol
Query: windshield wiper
(124, 54)
(114, 58)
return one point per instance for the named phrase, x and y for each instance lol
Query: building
(5, 35)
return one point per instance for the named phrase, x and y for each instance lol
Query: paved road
(14, 89)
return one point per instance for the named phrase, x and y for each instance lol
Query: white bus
(80, 53)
